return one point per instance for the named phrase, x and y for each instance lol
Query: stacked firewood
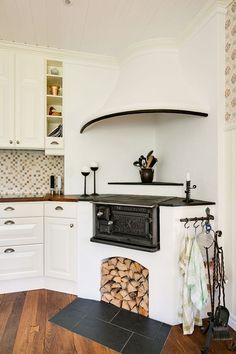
(124, 284)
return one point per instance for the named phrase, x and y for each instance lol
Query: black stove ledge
(145, 200)
(126, 245)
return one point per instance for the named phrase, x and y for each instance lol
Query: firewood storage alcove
(125, 284)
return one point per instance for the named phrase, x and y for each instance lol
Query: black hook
(194, 224)
(185, 224)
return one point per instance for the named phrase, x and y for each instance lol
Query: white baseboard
(232, 322)
(64, 286)
(16, 285)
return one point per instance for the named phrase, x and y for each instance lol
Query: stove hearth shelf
(126, 245)
(149, 184)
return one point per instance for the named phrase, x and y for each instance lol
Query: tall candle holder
(188, 192)
(85, 173)
(94, 168)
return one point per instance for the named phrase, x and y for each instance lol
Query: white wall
(191, 143)
(114, 143)
(182, 143)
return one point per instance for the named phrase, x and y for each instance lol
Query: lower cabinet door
(60, 248)
(21, 261)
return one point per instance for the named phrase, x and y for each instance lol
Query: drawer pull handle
(9, 250)
(71, 225)
(9, 209)
(9, 222)
(58, 208)
(54, 143)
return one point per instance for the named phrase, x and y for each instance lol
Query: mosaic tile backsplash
(28, 172)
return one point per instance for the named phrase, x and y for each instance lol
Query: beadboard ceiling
(96, 26)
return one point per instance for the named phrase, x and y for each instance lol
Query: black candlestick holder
(94, 169)
(188, 192)
(85, 174)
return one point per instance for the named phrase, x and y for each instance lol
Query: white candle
(94, 164)
(188, 176)
(59, 182)
(85, 169)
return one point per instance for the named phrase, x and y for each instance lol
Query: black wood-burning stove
(130, 226)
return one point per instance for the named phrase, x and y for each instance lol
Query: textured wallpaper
(28, 172)
(230, 67)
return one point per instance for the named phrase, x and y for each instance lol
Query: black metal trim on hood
(111, 115)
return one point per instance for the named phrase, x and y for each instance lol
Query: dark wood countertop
(39, 198)
(147, 200)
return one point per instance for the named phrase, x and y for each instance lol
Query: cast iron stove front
(130, 226)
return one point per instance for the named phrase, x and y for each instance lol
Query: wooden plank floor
(25, 329)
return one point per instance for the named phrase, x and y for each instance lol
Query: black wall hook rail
(208, 217)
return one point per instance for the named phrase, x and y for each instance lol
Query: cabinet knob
(54, 143)
(11, 141)
(9, 208)
(59, 208)
(17, 141)
(9, 222)
(9, 250)
(71, 225)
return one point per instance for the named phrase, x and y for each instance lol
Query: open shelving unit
(54, 141)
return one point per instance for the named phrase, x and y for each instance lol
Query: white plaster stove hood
(150, 82)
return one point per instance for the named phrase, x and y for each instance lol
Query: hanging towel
(197, 278)
(189, 314)
(185, 310)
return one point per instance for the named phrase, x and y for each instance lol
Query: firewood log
(125, 305)
(116, 302)
(106, 279)
(121, 266)
(127, 263)
(134, 309)
(145, 273)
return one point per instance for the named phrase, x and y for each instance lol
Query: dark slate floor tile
(142, 345)
(82, 305)
(67, 318)
(103, 311)
(136, 323)
(103, 333)
(163, 332)
(93, 308)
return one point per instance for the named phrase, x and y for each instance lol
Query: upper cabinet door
(29, 109)
(6, 99)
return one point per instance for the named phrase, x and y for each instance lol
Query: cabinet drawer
(54, 143)
(21, 262)
(21, 231)
(17, 210)
(61, 209)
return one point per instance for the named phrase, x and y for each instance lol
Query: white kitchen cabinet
(60, 248)
(21, 240)
(6, 99)
(21, 231)
(21, 210)
(61, 209)
(54, 141)
(29, 100)
(24, 261)
(21, 100)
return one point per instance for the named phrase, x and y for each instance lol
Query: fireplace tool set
(213, 256)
